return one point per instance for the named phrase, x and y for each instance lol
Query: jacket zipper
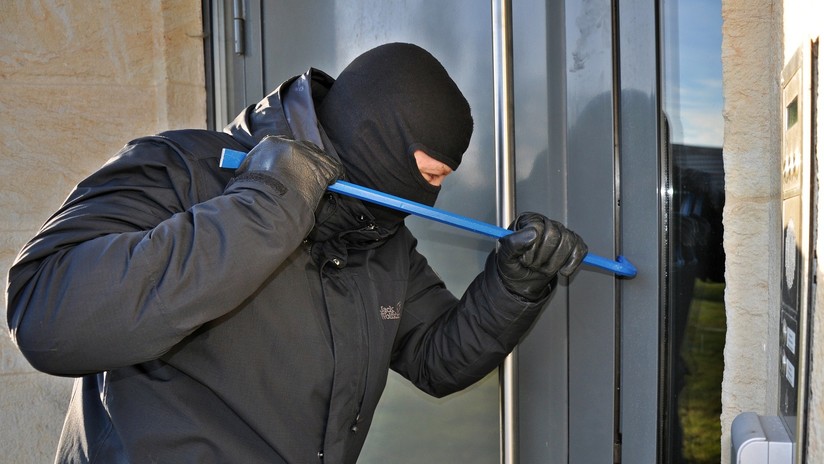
(364, 381)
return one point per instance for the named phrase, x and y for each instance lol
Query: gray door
(588, 154)
(584, 121)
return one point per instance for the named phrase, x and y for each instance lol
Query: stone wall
(751, 61)
(760, 37)
(78, 80)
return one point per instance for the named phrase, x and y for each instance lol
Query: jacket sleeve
(444, 344)
(136, 259)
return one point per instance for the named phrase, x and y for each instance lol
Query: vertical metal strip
(219, 64)
(505, 197)
(616, 170)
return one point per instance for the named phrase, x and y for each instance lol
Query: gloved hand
(539, 248)
(301, 166)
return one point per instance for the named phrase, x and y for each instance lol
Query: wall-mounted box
(799, 195)
(760, 440)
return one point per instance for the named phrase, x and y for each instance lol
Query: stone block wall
(760, 37)
(751, 62)
(78, 80)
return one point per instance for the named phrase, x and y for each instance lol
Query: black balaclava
(389, 102)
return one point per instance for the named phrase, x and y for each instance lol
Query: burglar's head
(390, 103)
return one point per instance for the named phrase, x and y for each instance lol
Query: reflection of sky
(693, 76)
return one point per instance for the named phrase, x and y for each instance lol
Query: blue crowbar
(231, 159)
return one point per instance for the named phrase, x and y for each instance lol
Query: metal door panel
(569, 360)
(540, 133)
(591, 212)
(640, 228)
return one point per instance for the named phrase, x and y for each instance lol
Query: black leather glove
(539, 248)
(301, 166)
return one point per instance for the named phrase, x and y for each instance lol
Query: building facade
(79, 80)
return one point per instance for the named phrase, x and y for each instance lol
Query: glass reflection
(696, 322)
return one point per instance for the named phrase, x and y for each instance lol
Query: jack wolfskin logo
(391, 313)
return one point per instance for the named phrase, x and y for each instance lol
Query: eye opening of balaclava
(389, 102)
(416, 172)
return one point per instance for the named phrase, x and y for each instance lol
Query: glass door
(696, 324)
(280, 39)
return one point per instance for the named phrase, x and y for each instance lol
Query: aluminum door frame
(643, 225)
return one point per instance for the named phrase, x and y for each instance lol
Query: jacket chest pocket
(364, 316)
(383, 306)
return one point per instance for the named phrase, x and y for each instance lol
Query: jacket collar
(288, 111)
(341, 223)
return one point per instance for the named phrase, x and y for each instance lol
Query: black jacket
(215, 324)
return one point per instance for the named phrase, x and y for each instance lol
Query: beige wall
(78, 79)
(760, 37)
(751, 62)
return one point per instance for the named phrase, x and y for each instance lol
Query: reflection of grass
(699, 403)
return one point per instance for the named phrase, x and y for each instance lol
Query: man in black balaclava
(251, 316)
(377, 123)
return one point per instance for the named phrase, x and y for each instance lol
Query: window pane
(696, 317)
